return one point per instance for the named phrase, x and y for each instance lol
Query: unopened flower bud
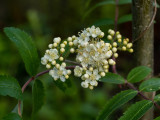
(86, 76)
(64, 64)
(131, 50)
(53, 62)
(109, 37)
(65, 42)
(70, 43)
(62, 50)
(114, 49)
(57, 66)
(112, 32)
(125, 42)
(129, 45)
(102, 34)
(61, 58)
(115, 55)
(55, 44)
(91, 68)
(66, 76)
(69, 39)
(72, 50)
(50, 45)
(91, 87)
(119, 40)
(68, 72)
(111, 62)
(62, 45)
(102, 74)
(119, 36)
(114, 44)
(124, 48)
(48, 66)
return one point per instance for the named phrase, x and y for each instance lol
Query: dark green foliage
(116, 102)
(125, 18)
(157, 98)
(10, 86)
(12, 116)
(104, 22)
(38, 95)
(150, 85)
(136, 111)
(158, 118)
(113, 78)
(137, 74)
(26, 48)
(68, 86)
(122, 2)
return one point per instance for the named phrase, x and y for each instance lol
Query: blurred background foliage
(46, 19)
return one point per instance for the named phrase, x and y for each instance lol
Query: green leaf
(137, 74)
(158, 118)
(122, 2)
(113, 78)
(136, 111)
(103, 22)
(106, 2)
(38, 96)
(12, 116)
(150, 85)
(26, 48)
(116, 102)
(125, 18)
(68, 86)
(157, 98)
(10, 86)
(67, 51)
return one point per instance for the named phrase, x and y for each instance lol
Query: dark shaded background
(44, 20)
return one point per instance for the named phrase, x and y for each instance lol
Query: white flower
(58, 73)
(53, 54)
(57, 40)
(84, 84)
(78, 71)
(49, 56)
(93, 75)
(44, 60)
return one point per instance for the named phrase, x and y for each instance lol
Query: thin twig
(114, 66)
(150, 23)
(116, 15)
(73, 62)
(141, 94)
(30, 80)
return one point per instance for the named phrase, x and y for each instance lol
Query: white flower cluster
(53, 58)
(89, 34)
(93, 55)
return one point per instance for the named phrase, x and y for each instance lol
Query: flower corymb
(93, 55)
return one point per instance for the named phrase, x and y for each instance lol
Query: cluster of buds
(118, 42)
(93, 55)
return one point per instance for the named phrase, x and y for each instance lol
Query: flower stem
(130, 85)
(69, 61)
(30, 80)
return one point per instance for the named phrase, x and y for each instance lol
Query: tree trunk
(142, 14)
